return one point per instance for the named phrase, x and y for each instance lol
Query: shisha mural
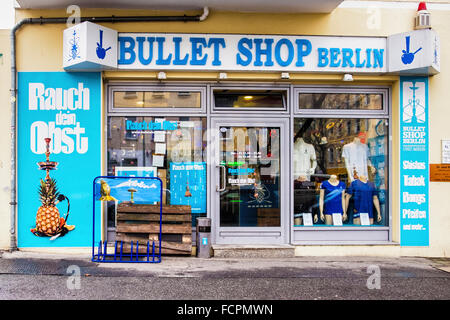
(49, 223)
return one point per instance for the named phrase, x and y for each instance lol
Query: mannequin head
(362, 178)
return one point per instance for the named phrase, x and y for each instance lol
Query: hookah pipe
(51, 165)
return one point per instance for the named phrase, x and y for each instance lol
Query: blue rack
(119, 254)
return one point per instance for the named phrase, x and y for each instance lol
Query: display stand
(144, 251)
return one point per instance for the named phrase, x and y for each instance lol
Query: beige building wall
(39, 48)
(5, 138)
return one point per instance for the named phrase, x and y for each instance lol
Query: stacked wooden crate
(140, 222)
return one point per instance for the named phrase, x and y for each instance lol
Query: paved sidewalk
(30, 276)
(180, 266)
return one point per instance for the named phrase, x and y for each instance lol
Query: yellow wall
(5, 138)
(39, 48)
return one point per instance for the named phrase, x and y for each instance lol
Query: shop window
(250, 99)
(340, 179)
(156, 99)
(340, 101)
(171, 148)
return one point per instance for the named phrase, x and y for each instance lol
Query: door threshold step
(253, 251)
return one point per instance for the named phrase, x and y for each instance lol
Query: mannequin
(305, 162)
(305, 199)
(356, 158)
(364, 194)
(332, 199)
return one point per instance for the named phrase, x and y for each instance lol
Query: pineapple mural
(49, 223)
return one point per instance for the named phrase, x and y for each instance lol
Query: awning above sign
(88, 46)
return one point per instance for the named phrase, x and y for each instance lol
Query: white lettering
(414, 214)
(65, 140)
(411, 197)
(413, 165)
(414, 181)
(35, 93)
(41, 98)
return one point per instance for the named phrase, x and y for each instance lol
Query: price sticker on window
(337, 219)
(364, 217)
(307, 219)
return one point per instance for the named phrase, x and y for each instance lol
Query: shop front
(279, 139)
(269, 162)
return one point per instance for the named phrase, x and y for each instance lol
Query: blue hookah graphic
(408, 56)
(435, 61)
(74, 47)
(101, 52)
(414, 111)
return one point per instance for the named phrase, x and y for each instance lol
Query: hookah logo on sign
(101, 52)
(74, 52)
(408, 56)
(414, 109)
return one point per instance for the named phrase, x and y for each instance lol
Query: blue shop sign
(256, 52)
(414, 162)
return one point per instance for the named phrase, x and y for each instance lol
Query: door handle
(219, 188)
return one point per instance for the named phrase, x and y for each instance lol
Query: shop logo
(74, 52)
(414, 110)
(101, 52)
(407, 56)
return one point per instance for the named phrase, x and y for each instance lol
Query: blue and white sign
(136, 190)
(65, 107)
(154, 51)
(188, 185)
(88, 46)
(415, 52)
(414, 170)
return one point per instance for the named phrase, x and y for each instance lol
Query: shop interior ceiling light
(347, 77)
(423, 17)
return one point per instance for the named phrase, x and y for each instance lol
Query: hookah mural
(49, 223)
(73, 129)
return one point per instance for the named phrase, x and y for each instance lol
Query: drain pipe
(41, 20)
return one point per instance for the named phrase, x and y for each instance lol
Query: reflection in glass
(157, 99)
(171, 148)
(250, 161)
(347, 101)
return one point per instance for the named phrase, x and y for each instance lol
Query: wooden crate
(140, 222)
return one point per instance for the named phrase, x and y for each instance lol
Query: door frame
(250, 235)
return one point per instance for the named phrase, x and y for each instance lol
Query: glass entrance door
(250, 199)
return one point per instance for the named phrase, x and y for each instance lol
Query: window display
(340, 172)
(171, 148)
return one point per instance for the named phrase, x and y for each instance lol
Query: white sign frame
(445, 148)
